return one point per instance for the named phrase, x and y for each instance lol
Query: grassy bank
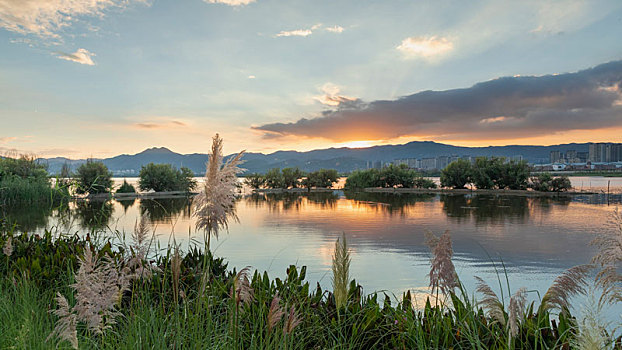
(113, 296)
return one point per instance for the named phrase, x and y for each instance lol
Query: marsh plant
(215, 204)
(341, 272)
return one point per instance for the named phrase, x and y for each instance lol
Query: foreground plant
(98, 290)
(215, 204)
(341, 272)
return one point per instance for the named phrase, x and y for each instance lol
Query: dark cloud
(503, 108)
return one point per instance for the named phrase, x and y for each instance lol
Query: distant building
(555, 157)
(428, 164)
(605, 152)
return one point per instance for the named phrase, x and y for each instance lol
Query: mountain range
(343, 159)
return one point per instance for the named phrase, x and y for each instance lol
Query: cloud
(307, 32)
(230, 2)
(297, 32)
(335, 29)
(82, 56)
(5, 140)
(424, 47)
(46, 18)
(331, 96)
(160, 124)
(501, 109)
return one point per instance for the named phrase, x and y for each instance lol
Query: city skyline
(101, 78)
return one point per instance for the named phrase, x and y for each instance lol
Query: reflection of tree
(94, 215)
(394, 203)
(126, 203)
(163, 209)
(496, 208)
(27, 218)
(292, 201)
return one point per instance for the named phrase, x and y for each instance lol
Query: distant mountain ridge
(343, 159)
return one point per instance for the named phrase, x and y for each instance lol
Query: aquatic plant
(442, 274)
(341, 271)
(215, 204)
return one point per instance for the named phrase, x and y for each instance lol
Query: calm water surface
(535, 238)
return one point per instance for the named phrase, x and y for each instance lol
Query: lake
(532, 240)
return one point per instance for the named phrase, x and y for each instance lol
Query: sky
(98, 78)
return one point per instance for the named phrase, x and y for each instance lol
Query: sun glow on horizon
(356, 144)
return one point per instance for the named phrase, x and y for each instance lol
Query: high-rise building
(428, 163)
(556, 156)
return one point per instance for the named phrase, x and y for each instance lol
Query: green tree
(93, 177)
(291, 177)
(397, 176)
(457, 174)
(545, 182)
(360, 179)
(323, 178)
(487, 172)
(255, 181)
(126, 188)
(274, 178)
(514, 175)
(164, 177)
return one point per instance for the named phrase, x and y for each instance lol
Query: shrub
(457, 174)
(24, 180)
(163, 177)
(93, 177)
(126, 188)
(545, 182)
(422, 182)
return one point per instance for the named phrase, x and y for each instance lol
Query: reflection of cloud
(503, 108)
(230, 2)
(82, 56)
(425, 47)
(45, 18)
(331, 96)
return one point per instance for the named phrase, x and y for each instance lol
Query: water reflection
(277, 202)
(163, 210)
(390, 203)
(126, 203)
(94, 215)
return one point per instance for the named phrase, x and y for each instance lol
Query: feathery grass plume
(490, 302)
(98, 290)
(516, 310)
(609, 258)
(176, 271)
(99, 287)
(341, 272)
(292, 321)
(65, 328)
(591, 330)
(215, 204)
(569, 283)
(442, 271)
(8, 247)
(241, 289)
(140, 246)
(275, 314)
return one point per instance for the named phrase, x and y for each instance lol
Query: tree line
(498, 173)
